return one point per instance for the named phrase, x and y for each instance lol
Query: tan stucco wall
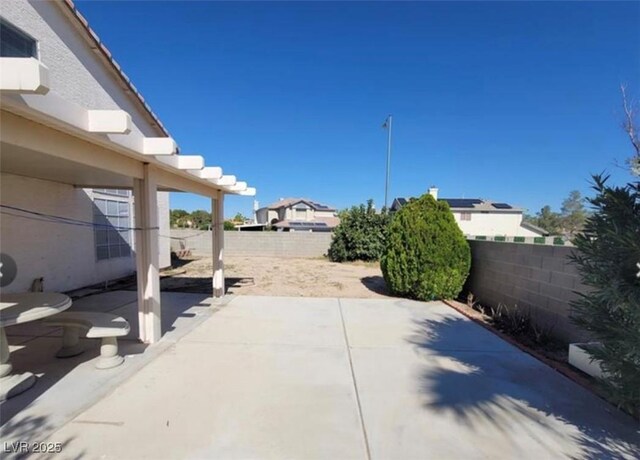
(64, 255)
(77, 73)
(324, 214)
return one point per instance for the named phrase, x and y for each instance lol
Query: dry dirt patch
(280, 277)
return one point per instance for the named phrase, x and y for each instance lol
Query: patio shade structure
(48, 137)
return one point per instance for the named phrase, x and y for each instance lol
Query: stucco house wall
(298, 211)
(65, 255)
(493, 224)
(76, 71)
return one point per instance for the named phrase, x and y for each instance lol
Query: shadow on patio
(65, 387)
(512, 393)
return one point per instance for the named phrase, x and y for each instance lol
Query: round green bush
(360, 234)
(426, 256)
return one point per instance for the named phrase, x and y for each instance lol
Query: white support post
(217, 214)
(147, 255)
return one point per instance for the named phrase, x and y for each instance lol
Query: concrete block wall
(255, 244)
(536, 278)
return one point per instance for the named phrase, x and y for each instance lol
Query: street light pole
(387, 124)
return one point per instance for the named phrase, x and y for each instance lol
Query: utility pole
(387, 125)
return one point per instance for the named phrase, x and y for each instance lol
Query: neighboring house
(86, 165)
(476, 217)
(298, 214)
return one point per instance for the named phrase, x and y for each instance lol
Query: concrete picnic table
(19, 309)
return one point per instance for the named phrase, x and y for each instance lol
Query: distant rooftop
(286, 202)
(467, 204)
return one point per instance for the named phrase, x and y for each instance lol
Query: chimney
(433, 191)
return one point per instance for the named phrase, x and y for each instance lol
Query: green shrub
(228, 225)
(539, 240)
(607, 253)
(426, 256)
(360, 235)
(500, 238)
(518, 239)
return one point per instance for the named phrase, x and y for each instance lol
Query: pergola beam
(208, 172)
(224, 180)
(18, 131)
(250, 191)
(237, 187)
(159, 146)
(183, 162)
(23, 75)
(108, 121)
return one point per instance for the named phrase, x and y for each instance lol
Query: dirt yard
(280, 277)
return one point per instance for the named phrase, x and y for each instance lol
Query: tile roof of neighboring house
(92, 36)
(314, 225)
(471, 204)
(330, 221)
(286, 202)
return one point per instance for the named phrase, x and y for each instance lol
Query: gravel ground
(280, 277)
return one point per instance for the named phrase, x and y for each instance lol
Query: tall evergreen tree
(573, 213)
(607, 257)
(549, 220)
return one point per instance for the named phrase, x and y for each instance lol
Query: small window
(15, 43)
(465, 216)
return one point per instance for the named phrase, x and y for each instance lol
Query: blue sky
(510, 101)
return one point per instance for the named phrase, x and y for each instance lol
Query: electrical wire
(51, 218)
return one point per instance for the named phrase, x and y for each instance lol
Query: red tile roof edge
(109, 57)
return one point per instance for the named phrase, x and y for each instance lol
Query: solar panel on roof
(501, 206)
(462, 202)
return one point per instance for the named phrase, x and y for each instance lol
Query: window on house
(111, 191)
(112, 218)
(465, 216)
(15, 43)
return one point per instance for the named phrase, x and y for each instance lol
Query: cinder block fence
(257, 244)
(535, 277)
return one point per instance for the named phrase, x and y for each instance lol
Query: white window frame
(10, 25)
(112, 210)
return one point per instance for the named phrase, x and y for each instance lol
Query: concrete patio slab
(250, 382)
(104, 302)
(392, 322)
(204, 400)
(275, 320)
(66, 387)
(182, 309)
(448, 388)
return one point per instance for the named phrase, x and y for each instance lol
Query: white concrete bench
(94, 325)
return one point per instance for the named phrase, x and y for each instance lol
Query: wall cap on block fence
(539, 240)
(581, 359)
